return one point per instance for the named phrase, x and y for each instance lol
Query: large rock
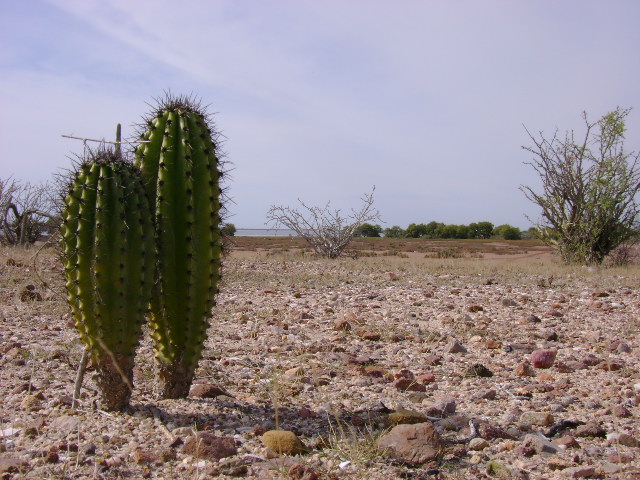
(208, 446)
(412, 444)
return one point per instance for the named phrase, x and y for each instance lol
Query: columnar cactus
(108, 254)
(181, 171)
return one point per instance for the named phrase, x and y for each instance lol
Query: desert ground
(516, 365)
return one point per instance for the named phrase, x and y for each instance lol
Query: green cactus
(182, 172)
(108, 254)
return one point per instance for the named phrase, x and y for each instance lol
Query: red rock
(208, 446)
(543, 358)
(621, 411)
(609, 366)
(580, 472)
(208, 390)
(475, 308)
(409, 384)
(414, 444)
(491, 432)
(426, 378)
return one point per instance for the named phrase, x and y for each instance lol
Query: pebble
(455, 347)
(478, 444)
(536, 418)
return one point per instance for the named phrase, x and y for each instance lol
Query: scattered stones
(207, 446)
(414, 445)
(543, 358)
(283, 442)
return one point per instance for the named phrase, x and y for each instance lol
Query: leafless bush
(328, 231)
(27, 211)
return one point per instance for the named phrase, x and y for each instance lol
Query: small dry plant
(359, 446)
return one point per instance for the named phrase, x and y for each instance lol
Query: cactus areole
(108, 255)
(181, 171)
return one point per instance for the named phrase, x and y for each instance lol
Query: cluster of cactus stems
(142, 239)
(108, 252)
(181, 172)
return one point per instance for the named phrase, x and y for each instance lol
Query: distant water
(265, 232)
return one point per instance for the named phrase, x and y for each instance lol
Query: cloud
(321, 100)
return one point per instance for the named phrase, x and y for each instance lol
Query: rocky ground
(382, 367)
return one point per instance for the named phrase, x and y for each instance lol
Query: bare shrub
(27, 211)
(328, 231)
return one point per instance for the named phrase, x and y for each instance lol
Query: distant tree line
(433, 230)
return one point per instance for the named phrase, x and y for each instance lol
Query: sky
(322, 100)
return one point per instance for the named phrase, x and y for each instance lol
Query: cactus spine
(108, 254)
(181, 171)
